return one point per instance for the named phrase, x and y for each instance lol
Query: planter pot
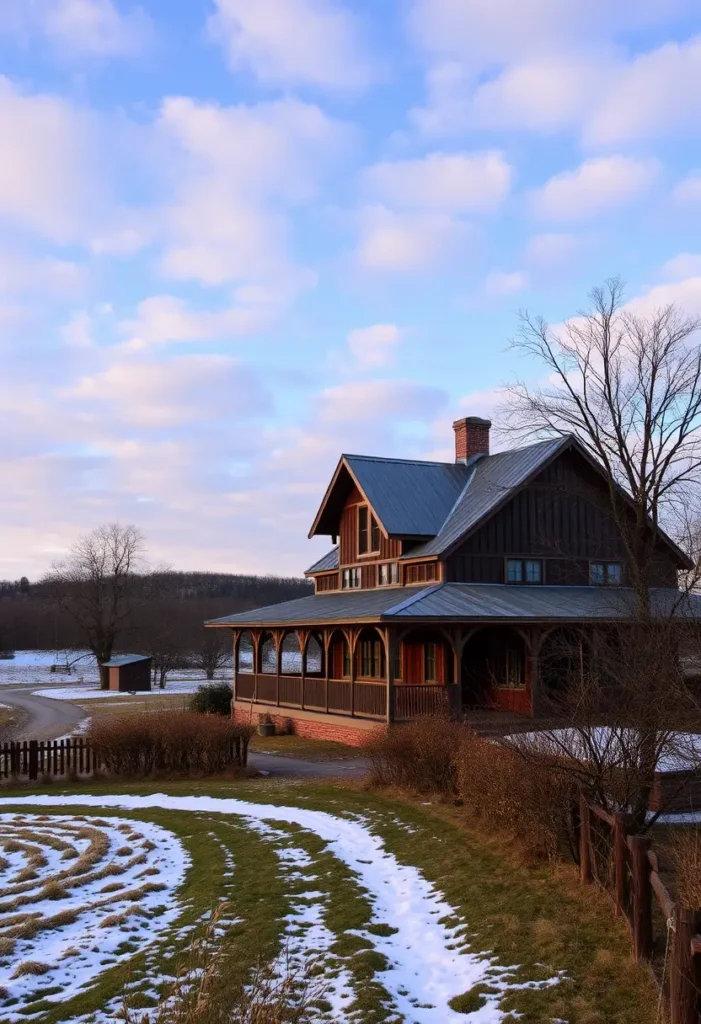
(266, 729)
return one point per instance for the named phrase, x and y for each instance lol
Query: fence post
(585, 872)
(620, 873)
(681, 980)
(642, 897)
(33, 759)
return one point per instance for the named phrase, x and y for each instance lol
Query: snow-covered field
(78, 676)
(416, 933)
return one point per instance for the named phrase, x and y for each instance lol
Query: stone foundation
(312, 725)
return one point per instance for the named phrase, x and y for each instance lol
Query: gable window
(605, 574)
(430, 663)
(350, 579)
(524, 570)
(368, 531)
(388, 574)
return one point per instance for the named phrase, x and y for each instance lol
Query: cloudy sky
(238, 237)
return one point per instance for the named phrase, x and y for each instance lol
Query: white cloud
(293, 42)
(80, 27)
(166, 318)
(688, 191)
(374, 346)
(407, 242)
(379, 399)
(47, 172)
(77, 332)
(597, 186)
(235, 170)
(500, 283)
(56, 277)
(183, 389)
(458, 182)
(686, 294)
(686, 264)
(551, 248)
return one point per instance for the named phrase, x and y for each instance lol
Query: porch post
(326, 668)
(534, 642)
(457, 644)
(234, 640)
(353, 641)
(302, 641)
(277, 639)
(390, 655)
(255, 637)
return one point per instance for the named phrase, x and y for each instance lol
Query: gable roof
(410, 498)
(439, 503)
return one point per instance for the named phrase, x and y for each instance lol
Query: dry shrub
(522, 792)
(178, 742)
(685, 853)
(419, 756)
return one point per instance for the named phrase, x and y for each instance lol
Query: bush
(180, 742)
(685, 854)
(519, 791)
(419, 756)
(212, 700)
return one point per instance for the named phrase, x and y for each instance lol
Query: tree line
(104, 597)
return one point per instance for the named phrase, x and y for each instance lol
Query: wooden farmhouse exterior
(445, 585)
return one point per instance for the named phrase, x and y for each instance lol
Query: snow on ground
(681, 752)
(429, 963)
(86, 893)
(81, 693)
(76, 668)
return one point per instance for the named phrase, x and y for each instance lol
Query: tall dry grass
(685, 853)
(284, 993)
(177, 742)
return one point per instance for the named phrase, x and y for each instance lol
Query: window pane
(375, 535)
(384, 575)
(533, 572)
(613, 572)
(430, 663)
(362, 529)
(394, 568)
(597, 575)
(514, 570)
(355, 577)
(245, 658)
(346, 660)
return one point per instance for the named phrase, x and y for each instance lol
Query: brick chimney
(471, 437)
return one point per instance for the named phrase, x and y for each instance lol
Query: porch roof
(464, 602)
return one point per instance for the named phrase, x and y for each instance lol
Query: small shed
(129, 672)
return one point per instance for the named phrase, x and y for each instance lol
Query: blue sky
(238, 238)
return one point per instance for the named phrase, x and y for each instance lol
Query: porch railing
(363, 698)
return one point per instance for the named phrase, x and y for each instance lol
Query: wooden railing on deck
(366, 697)
(627, 868)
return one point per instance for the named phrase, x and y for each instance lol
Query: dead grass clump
(30, 967)
(6, 945)
(53, 890)
(418, 756)
(124, 851)
(685, 853)
(175, 742)
(530, 797)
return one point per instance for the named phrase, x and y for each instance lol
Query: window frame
(606, 574)
(392, 570)
(369, 533)
(523, 564)
(352, 574)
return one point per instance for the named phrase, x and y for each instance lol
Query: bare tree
(98, 584)
(628, 386)
(214, 651)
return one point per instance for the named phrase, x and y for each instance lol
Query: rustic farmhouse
(446, 585)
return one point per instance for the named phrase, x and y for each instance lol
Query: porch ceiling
(463, 602)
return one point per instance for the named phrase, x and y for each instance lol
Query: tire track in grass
(429, 966)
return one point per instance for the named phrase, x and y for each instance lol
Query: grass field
(408, 913)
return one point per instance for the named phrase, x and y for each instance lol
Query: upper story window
(368, 531)
(350, 579)
(524, 570)
(387, 574)
(605, 574)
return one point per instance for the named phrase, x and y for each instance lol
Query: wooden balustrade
(367, 698)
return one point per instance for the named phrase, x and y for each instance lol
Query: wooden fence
(32, 758)
(627, 868)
